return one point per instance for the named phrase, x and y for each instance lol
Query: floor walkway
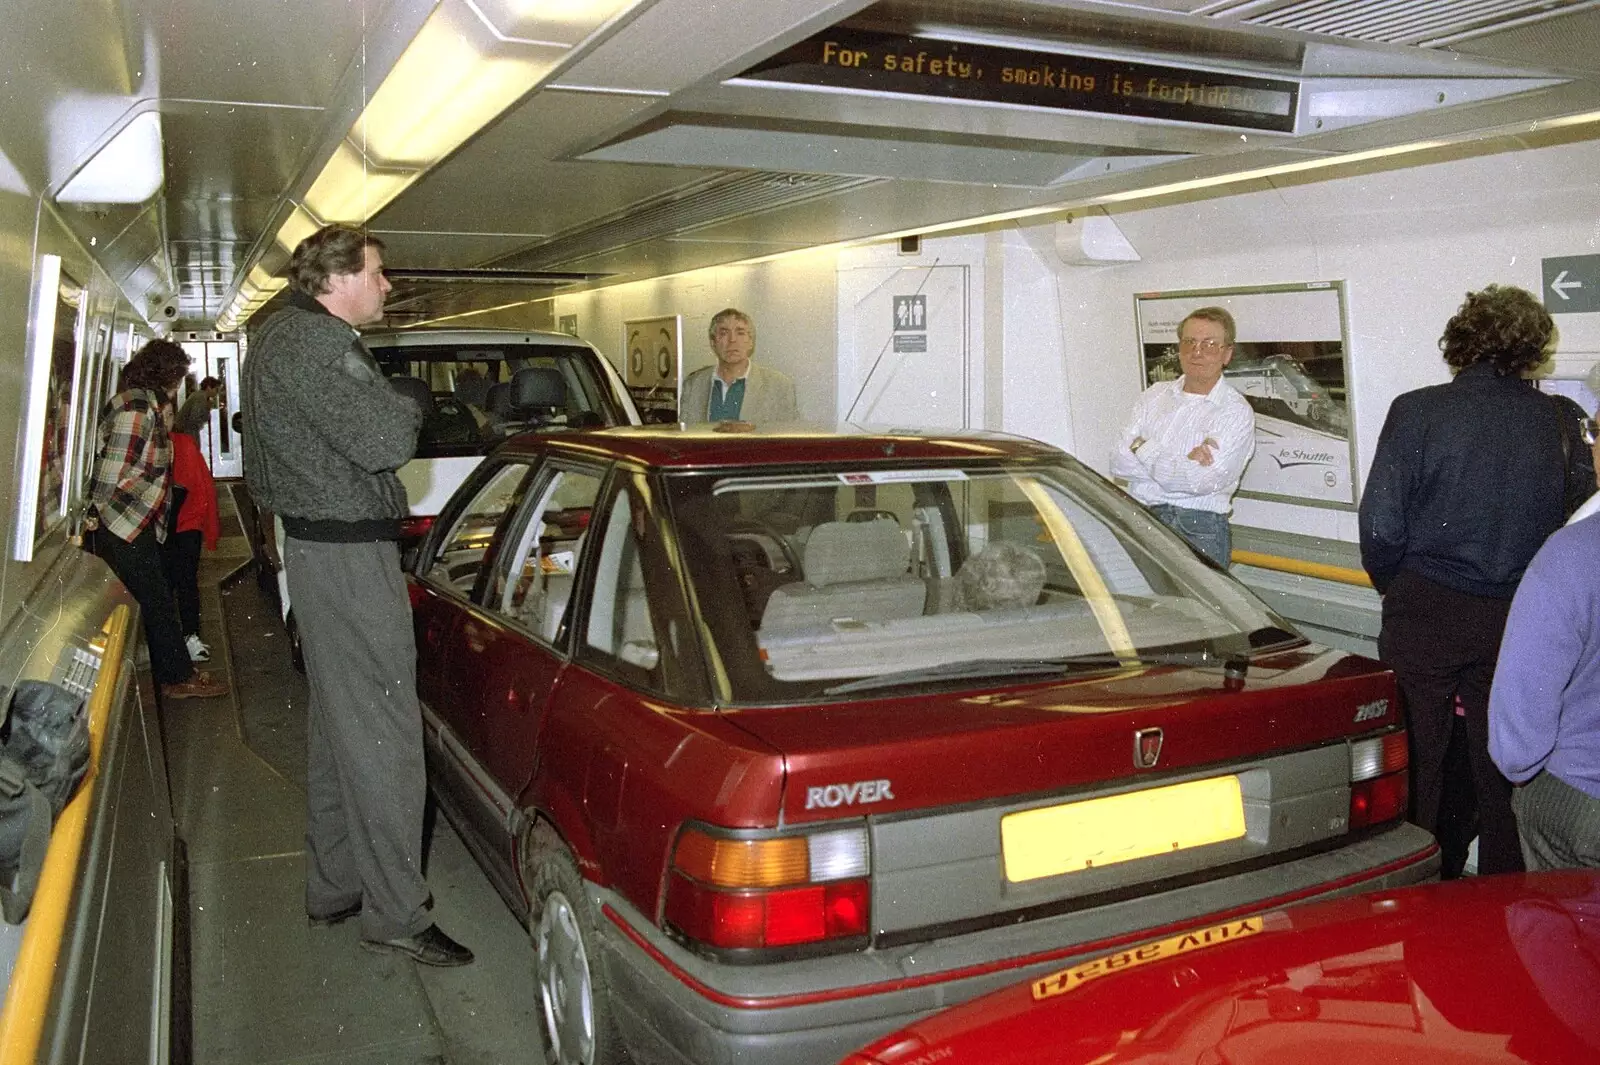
(269, 990)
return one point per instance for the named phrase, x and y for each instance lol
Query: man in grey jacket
(327, 434)
(736, 389)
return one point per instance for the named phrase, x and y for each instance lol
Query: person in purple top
(1544, 706)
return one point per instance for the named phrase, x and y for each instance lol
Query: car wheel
(574, 996)
(297, 651)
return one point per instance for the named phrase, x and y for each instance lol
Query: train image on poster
(1290, 362)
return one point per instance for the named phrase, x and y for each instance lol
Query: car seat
(855, 571)
(416, 390)
(498, 401)
(538, 396)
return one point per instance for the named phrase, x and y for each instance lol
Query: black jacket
(324, 431)
(1468, 480)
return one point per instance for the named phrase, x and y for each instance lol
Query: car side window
(619, 624)
(534, 585)
(463, 550)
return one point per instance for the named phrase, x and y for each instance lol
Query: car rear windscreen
(481, 394)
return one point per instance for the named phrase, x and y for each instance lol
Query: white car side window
(461, 556)
(619, 612)
(544, 564)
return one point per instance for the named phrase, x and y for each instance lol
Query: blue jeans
(1206, 530)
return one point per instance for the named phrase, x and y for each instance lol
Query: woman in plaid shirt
(128, 497)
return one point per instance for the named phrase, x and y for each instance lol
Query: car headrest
(499, 398)
(538, 386)
(472, 387)
(840, 551)
(415, 389)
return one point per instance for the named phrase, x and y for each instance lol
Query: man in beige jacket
(736, 389)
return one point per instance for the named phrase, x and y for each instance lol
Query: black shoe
(328, 920)
(428, 947)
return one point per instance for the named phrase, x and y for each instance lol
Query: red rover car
(1500, 970)
(781, 740)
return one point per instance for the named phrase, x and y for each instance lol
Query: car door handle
(474, 638)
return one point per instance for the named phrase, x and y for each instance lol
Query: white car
(478, 387)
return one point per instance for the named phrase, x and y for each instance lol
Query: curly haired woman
(129, 494)
(1468, 480)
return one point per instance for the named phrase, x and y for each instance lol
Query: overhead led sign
(875, 62)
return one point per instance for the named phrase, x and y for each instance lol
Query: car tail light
(415, 527)
(1379, 779)
(782, 891)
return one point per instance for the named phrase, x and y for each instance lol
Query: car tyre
(578, 1027)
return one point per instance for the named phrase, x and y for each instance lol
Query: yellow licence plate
(1120, 828)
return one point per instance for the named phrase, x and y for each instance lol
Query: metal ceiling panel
(236, 151)
(1417, 22)
(506, 182)
(442, 249)
(537, 199)
(550, 125)
(1567, 45)
(855, 152)
(566, 24)
(289, 52)
(676, 43)
(709, 203)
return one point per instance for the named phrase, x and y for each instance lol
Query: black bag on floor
(44, 755)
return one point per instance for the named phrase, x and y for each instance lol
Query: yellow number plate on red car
(1120, 828)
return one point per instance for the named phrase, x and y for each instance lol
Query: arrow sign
(1572, 284)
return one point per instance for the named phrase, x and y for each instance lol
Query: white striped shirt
(1173, 423)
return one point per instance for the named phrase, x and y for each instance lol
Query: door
(218, 442)
(910, 362)
(441, 598)
(512, 648)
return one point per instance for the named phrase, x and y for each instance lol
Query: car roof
(412, 338)
(696, 446)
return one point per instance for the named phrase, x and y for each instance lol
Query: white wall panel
(790, 300)
(1408, 243)
(927, 381)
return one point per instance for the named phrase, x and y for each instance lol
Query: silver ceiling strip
(1397, 21)
(1507, 24)
(715, 202)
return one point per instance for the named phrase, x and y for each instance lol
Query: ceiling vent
(726, 198)
(1424, 23)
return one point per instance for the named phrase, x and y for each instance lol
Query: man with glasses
(1187, 442)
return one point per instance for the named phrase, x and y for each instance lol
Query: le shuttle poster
(1290, 362)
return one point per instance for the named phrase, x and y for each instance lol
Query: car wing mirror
(641, 653)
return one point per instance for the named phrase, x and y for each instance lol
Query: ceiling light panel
(453, 79)
(128, 169)
(561, 22)
(350, 189)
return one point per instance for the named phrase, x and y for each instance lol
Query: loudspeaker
(165, 311)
